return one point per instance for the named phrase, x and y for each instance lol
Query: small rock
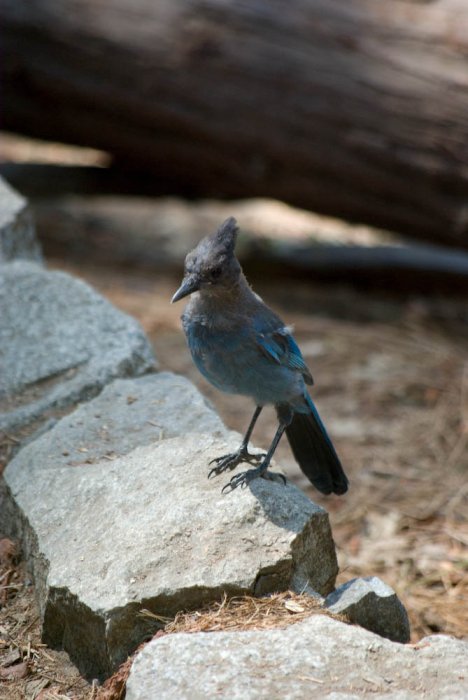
(318, 658)
(60, 343)
(371, 603)
(17, 233)
(134, 522)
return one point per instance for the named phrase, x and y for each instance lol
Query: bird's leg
(245, 478)
(242, 455)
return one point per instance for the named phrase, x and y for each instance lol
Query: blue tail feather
(314, 451)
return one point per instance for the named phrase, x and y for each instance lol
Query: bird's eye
(215, 273)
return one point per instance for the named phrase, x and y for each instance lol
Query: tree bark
(357, 109)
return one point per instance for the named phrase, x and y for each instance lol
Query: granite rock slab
(318, 658)
(60, 343)
(115, 514)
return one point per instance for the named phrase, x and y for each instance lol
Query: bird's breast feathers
(242, 360)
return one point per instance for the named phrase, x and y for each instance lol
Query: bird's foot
(244, 478)
(232, 460)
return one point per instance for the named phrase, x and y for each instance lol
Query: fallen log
(155, 234)
(355, 109)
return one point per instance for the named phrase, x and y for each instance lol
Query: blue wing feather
(281, 347)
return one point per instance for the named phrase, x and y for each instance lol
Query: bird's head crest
(226, 235)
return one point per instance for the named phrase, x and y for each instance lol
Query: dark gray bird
(242, 347)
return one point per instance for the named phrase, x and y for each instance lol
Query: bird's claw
(241, 480)
(231, 461)
(244, 478)
(222, 463)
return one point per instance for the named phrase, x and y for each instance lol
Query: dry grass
(246, 613)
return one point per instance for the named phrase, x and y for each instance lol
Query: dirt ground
(392, 387)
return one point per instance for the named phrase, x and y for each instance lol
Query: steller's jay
(242, 347)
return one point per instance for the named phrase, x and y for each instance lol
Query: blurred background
(337, 134)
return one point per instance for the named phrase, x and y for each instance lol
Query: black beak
(189, 284)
